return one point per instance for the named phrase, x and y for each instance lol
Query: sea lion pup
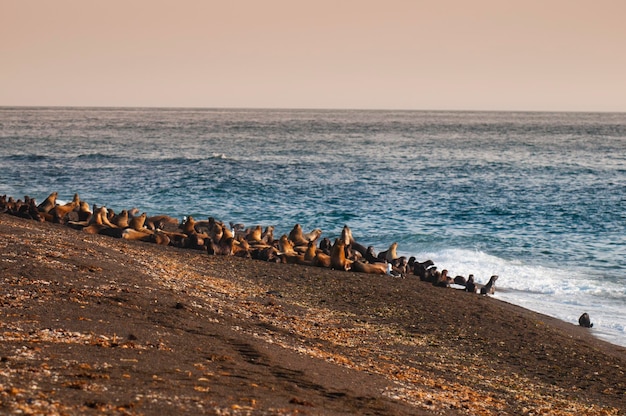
(489, 288)
(338, 259)
(585, 321)
(49, 203)
(470, 286)
(390, 254)
(372, 268)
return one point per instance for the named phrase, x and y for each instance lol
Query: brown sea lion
(352, 244)
(390, 254)
(311, 251)
(255, 235)
(338, 259)
(372, 268)
(60, 212)
(585, 321)
(121, 220)
(268, 235)
(49, 203)
(489, 288)
(296, 236)
(161, 222)
(286, 246)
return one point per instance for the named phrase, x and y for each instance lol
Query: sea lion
(355, 249)
(338, 259)
(313, 235)
(371, 257)
(49, 203)
(372, 268)
(470, 286)
(442, 279)
(325, 245)
(421, 269)
(255, 235)
(285, 245)
(489, 288)
(268, 235)
(311, 252)
(121, 220)
(161, 222)
(585, 321)
(297, 237)
(390, 254)
(59, 212)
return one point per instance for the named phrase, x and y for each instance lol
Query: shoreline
(93, 322)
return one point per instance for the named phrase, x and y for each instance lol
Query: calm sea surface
(537, 198)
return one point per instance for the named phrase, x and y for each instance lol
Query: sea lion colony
(215, 238)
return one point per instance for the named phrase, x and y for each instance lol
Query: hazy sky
(562, 55)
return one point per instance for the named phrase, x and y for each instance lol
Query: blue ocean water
(537, 198)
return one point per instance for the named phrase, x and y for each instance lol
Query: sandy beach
(94, 324)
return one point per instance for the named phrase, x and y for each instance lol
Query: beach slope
(93, 324)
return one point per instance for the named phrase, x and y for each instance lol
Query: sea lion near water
(470, 286)
(585, 321)
(313, 235)
(442, 279)
(372, 268)
(421, 270)
(121, 220)
(60, 212)
(390, 254)
(49, 203)
(296, 236)
(338, 259)
(371, 257)
(351, 244)
(325, 245)
(161, 222)
(255, 235)
(268, 235)
(285, 246)
(489, 288)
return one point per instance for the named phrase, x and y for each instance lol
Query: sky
(546, 55)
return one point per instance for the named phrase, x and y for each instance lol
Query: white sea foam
(563, 294)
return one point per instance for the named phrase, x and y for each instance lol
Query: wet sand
(95, 324)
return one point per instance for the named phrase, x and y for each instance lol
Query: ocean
(537, 198)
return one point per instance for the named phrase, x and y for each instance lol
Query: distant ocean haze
(537, 198)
